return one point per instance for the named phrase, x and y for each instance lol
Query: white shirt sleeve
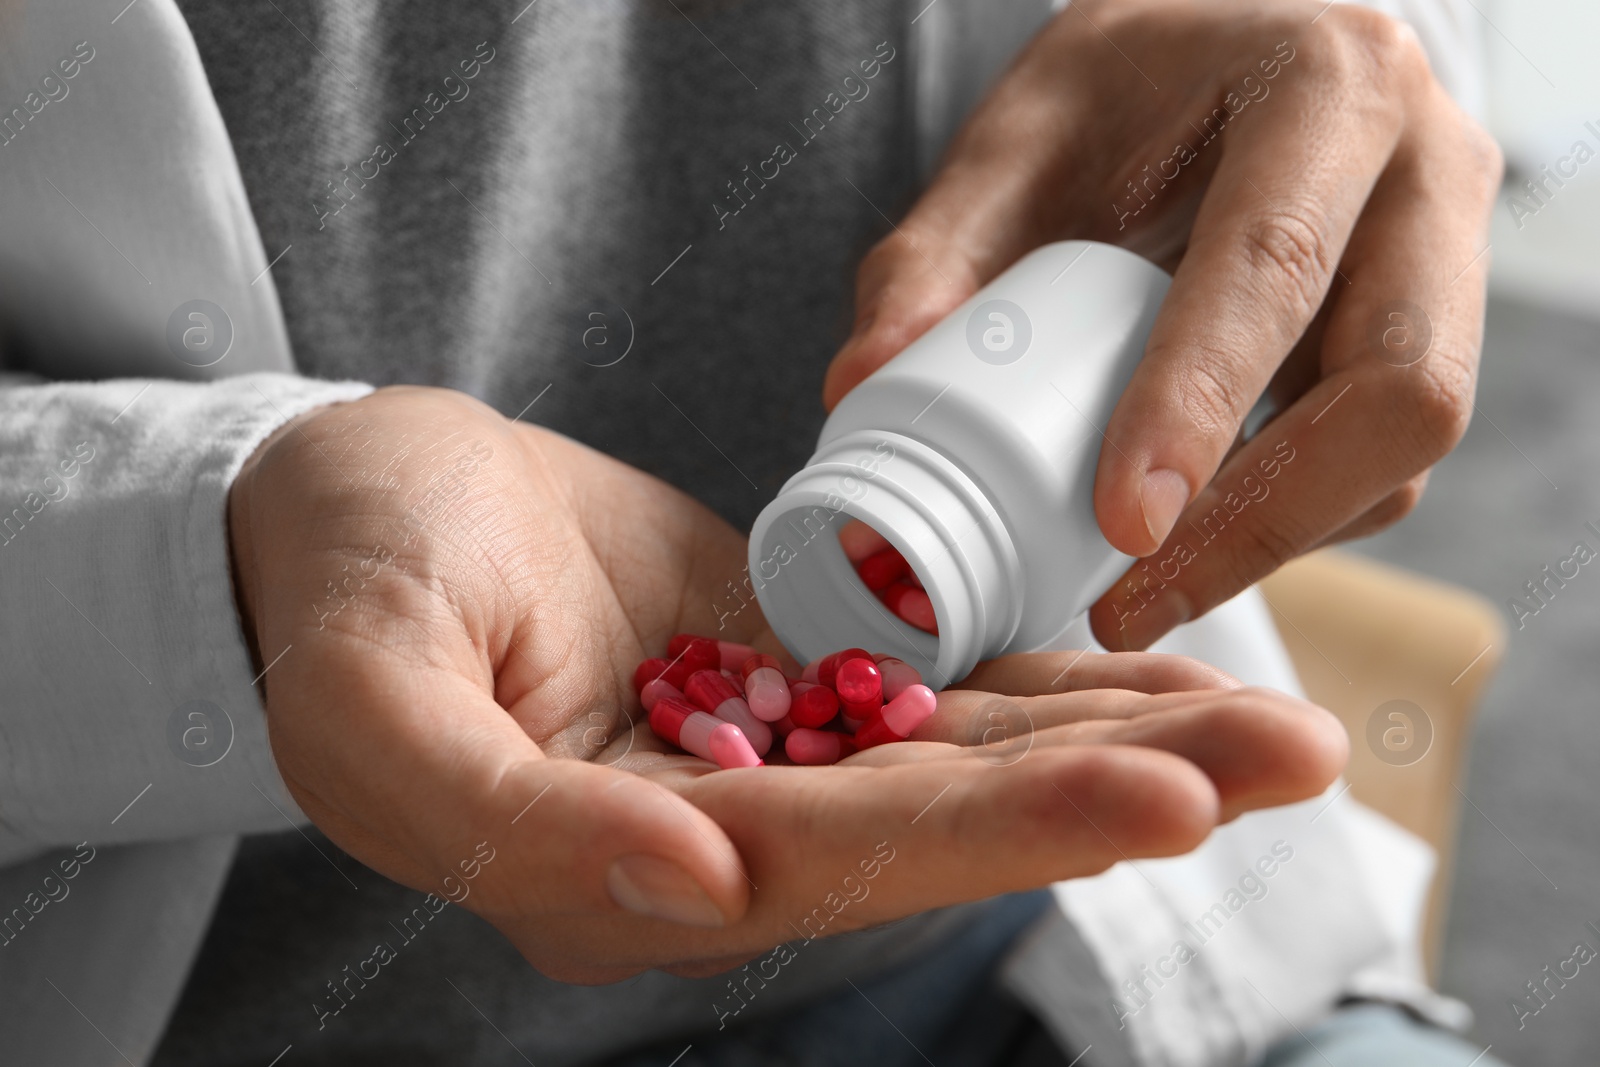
(127, 711)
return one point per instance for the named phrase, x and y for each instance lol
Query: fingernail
(1163, 497)
(1155, 620)
(660, 889)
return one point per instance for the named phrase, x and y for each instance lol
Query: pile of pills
(727, 703)
(882, 569)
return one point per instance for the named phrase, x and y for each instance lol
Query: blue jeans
(1377, 1035)
(947, 1011)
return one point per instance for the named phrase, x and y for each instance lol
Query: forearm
(114, 569)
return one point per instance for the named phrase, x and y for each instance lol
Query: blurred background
(1512, 499)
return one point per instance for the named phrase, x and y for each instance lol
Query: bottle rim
(932, 512)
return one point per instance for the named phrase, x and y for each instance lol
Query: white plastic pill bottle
(974, 453)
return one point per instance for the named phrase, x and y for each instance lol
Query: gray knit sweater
(643, 219)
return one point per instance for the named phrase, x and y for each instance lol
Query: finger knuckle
(1438, 407)
(1242, 711)
(1209, 387)
(1383, 52)
(1289, 250)
(1262, 547)
(1487, 158)
(1400, 503)
(1404, 500)
(1186, 672)
(879, 263)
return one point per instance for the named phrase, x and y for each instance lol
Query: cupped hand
(463, 600)
(1324, 206)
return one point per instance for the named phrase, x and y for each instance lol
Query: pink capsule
(730, 749)
(655, 690)
(766, 690)
(733, 654)
(817, 747)
(668, 719)
(898, 675)
(712, 692)
(699, 734)
(900, 716)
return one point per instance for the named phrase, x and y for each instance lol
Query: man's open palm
(466, 678)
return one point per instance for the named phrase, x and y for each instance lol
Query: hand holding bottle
(1324, 206)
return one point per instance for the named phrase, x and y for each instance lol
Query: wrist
(241, 532)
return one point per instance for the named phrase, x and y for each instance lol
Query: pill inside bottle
(887, 575)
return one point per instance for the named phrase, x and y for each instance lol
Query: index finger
(1036, 673)
(1295, 173)
(944, 831)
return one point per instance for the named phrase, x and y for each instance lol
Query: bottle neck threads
(932, 512)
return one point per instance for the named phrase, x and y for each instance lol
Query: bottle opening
(883, 544)
(888, 575)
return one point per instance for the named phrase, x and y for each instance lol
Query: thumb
(417, 770)
(591, 841)
(909, 281)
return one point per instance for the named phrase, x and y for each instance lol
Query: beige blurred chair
(1362, 634)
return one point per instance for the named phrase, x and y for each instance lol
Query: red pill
(766, 690)
(668, 716)
(860, 689)
(828, 666)
(648, 671)
(817, 747)
(678, 673)
(912, 605)
(712, 692)
(858, 681)
(733, 654)
(735, 680)
(812, 705)
(674, 671)
(900, 716)
(655, 690)
(882, 569)
(702, 654)
(783, 727)
(709, 689)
